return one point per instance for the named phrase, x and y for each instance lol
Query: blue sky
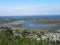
(29, 7)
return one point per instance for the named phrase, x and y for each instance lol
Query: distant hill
(36, 16)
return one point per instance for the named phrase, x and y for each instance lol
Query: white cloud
(30, 11)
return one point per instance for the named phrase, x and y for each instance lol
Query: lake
(37, 25)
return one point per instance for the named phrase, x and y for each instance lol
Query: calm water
(37, 25)
(34, 25)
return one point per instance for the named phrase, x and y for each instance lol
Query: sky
(29, 7)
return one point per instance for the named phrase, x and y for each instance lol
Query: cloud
(30, 11)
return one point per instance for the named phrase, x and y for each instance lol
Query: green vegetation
(7, 37)
(7, 20)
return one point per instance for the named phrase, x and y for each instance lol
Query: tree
(6, 36)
